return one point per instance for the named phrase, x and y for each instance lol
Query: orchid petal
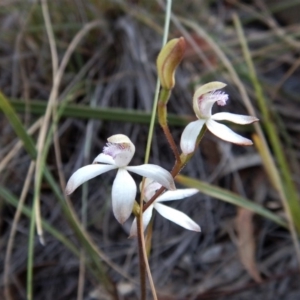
(120, 148)
(119, 139)
(177, 217)
(147, 214)
(156, 173)
(176, 195)
(226, 134)
(238, 119)
(105, 159)
(123, 195)
(205, 97)
(121, 153)
(84, 174)
(189, 136)
(208, 87)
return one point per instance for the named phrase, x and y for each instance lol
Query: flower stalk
(142, 265)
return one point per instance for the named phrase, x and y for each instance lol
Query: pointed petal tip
(246, 142)
(121, 216)
(253, 120)
(131, 236)
(198, 229)
(120, 219)
(243, 143)
(194, 227)
(69, 190)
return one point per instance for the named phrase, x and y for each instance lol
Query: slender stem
(141, 262)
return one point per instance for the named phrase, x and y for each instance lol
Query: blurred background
(105, 84)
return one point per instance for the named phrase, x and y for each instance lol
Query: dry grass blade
(246, 242)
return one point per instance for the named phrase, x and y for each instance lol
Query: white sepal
(238, 119)
(177, 217)
(189, 136)
(176, 195)
(157, 173)
(226, 134)
(123, 195)
(84, 174)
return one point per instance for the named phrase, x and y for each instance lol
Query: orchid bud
(167, 61)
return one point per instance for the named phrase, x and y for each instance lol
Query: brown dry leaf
(246, 242)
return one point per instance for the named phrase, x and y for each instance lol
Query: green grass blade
(232, 198)
(109, 114)
(17, 125)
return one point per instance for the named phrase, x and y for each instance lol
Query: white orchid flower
(203, 100)
(117, 154)
(169, 213)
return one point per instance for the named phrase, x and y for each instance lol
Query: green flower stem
(162, 119)
(164, 95)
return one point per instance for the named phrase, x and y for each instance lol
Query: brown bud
(167, 61)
